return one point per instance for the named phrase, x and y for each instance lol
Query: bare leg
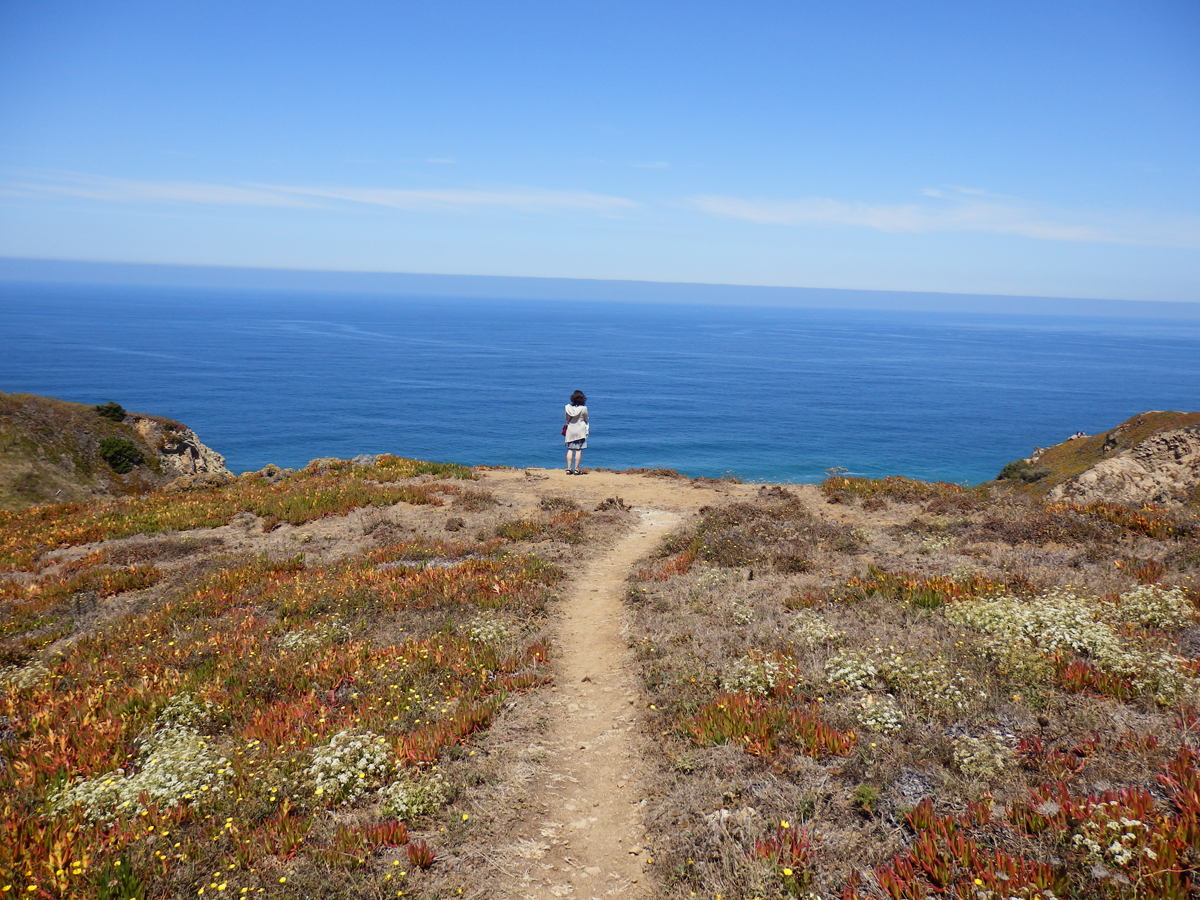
(578, 460)
(568, 460)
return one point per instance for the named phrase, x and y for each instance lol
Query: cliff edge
(54, 451)
(1153, 457)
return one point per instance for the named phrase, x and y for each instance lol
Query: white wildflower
(813, 628)
(982, 757)
(23, 678)
(854, 671)
(352, 763)
(488, 630)
(413, 799)
(880, 714)
(176, 764)
(755, 674)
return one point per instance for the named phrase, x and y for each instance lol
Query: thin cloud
(119, 190)
(442, 160)
(519, 199)
(963, 210)
(122, 190)
(649, 165)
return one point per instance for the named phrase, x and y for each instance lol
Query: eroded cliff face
(1162, 468)
(180, 451)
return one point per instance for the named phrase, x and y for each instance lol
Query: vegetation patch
(778, 531)
(52, 453)
(111, 410)
(897, 489)
(179, 717)
(212, 732)
(1003, 705)
(120, 454)
(308, 495)
(1054, 465)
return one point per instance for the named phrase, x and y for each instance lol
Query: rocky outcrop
(180, 452)
(1162, 468)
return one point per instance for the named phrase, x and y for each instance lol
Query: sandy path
(583, 836)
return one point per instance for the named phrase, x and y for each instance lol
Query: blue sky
(1015, 148)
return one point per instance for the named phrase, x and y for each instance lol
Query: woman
(576, 431)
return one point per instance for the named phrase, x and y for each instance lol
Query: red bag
(564, 431)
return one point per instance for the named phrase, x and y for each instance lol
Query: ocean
(773, 394)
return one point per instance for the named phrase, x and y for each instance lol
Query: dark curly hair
(577, 399)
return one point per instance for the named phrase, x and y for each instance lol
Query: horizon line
(532, 287)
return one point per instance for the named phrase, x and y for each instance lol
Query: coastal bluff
(1153, 457)
(55, 451)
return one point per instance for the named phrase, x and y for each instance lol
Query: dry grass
(947, 719)
(49, 453)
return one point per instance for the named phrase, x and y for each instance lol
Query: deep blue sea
(765, 393)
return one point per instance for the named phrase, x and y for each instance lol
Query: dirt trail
(583, 835)
(584, 838)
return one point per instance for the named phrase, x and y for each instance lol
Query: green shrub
(120, 454)
(866, 798)
(1024, 471)
(111, 410)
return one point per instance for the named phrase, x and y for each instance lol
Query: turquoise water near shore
(765, 393)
